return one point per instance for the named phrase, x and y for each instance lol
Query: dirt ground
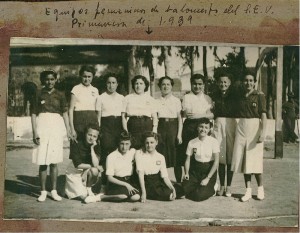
(280, 207)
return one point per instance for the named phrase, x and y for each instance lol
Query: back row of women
(235, 144)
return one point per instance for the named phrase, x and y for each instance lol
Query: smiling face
(166, 87)
(249, 83)
(197, 86)
(91, 136)
(50, 81)
(224, 83)
(87, 78)
(203, 129)
(139, 86)
(111, 85)
(124, 146)
(150, 144)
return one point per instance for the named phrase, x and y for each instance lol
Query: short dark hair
(87, 68)
(249, 72)
(108, 75)
(204, 120)
(163, 78)
(45, 73)
(149, 135)
(92, 126)
(197, 76)
(125, 136)
(220, 74)
(144, 80)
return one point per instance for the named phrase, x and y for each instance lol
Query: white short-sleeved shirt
(203, 149)
(139, 105)
(199, 104)
(85, 97)
(110, 105)
(168, 107)
(151, 163)
(120, 165)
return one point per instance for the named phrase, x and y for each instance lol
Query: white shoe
(260, 193)
(247, 196)
(92, 199)
(55, 196)
(43, 196)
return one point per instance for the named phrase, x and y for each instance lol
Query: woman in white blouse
(140, 109)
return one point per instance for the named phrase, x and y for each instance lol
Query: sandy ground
(280, 207)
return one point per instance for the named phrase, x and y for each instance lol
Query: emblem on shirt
(43, 101)
(158, 162)
(194, 151)
(93, 93)
(254, 104)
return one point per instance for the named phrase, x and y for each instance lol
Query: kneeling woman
(84, 170)
(201, 164)
(119, 170)
(152, 172)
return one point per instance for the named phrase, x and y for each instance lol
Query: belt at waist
(139, 117)
(167, 119)
(111, 117)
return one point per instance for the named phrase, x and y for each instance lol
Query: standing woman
(140, 108)
(224, 129)
(109, 107)
(169, 121)
(82, 110)
(48, 111)
(195, 105)
(250, 135)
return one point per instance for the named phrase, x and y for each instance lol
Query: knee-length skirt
(115, 189)
(247, 153)
(224, 132)
(51, 130)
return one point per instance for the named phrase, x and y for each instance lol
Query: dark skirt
(137, 126)
(115, 189)
(111, 128)
(167, 130)
(81, 120)
(192, 188)
(189, 132)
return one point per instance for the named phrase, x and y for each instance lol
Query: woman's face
(139, 86)
(50, 81)
(198, 86)
(224, 83)
(87, 78)
(150, 144)
(249, 82)
(124, 146)
(91, 136)
(203, 129)
(166, 87)
(111, 85)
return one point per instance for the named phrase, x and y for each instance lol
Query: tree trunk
(270, 81)
(167, 60)
(205, 62)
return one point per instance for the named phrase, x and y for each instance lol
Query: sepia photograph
(181, 133)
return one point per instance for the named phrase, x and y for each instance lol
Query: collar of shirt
(48, 92)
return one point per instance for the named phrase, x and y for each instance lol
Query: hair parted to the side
(163, 78)
(87, 68)
(204, 120)
(109, 75)
(145, 80)
(149, 135)
(125, 136)
(196, 77)
(249, 72)
(45, 73)
(92, 126)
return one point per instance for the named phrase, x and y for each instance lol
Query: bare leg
(248, 194)
(117, 198)
(229, 179)
(221, 171)
(258, 178)
(247, 178)
(43, 176)
(53, 175)
(260, 189)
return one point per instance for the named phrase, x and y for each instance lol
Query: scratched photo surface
(169, 37)
(30, 56)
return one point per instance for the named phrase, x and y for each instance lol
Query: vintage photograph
(170, 133)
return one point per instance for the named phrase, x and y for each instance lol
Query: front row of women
(135, 175)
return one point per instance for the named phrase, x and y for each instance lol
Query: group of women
(141, 135)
